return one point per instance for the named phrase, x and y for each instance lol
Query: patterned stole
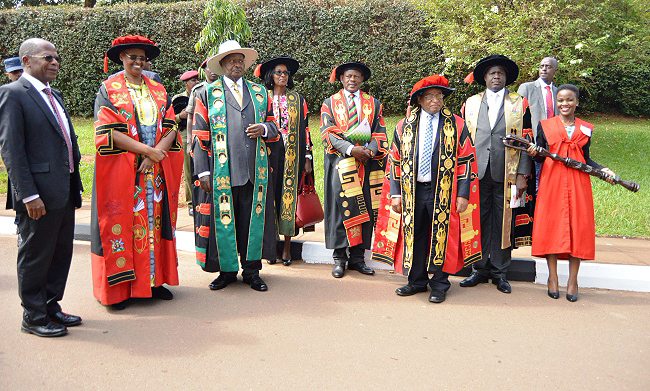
(221, 190)
(287, 221)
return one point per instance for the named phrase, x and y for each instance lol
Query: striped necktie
(427, 148)
(237, 94)
(66, 136)
(353, 117)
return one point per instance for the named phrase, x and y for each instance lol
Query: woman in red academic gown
(564, 223)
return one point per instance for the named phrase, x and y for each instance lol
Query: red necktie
(48, 92)
(550, 113)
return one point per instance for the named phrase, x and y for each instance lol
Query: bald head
(547, 69)
(39, 59)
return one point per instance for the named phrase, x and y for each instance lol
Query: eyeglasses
(280, 73)
(133, 57)
(49, 58)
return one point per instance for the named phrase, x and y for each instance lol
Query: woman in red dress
(564, 211)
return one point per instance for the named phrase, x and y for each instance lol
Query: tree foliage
(588, 37)
(225, 20)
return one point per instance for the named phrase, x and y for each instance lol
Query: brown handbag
(308, 208)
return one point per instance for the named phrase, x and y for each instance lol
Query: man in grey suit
(489, 116)
(541, 97)
(232, 116)
(40, 151)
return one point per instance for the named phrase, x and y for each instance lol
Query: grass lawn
(622, 144)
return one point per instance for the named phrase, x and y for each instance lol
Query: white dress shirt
(40, 87)
(422, 127)
(494, 101)
(542, 85)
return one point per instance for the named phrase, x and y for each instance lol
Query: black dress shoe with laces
(437, 296)
(66, 320)
(410, 290)
(361, 267)
(473, 280)
(256, 283)
(502, 284)
(162, 293)
(51, 329)
(222, 281)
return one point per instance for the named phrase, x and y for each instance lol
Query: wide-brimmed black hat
(292, 65)
(338, 71)
(512, 70)
(120, 44)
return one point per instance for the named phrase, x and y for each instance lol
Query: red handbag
(308, 208)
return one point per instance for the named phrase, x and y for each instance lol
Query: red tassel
(105, 63)
(333, 76)
(258, 71)
(469, 79)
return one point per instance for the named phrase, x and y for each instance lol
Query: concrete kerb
(592, 275)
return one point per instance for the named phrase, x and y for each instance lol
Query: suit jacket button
(243, 116)
(66, 163)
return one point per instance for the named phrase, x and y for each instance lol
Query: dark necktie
(48, 92)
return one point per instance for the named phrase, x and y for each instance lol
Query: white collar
(427, 115)
(543, 84)
(35, 82)
(354, 94)
(499, 93)
(230, 82)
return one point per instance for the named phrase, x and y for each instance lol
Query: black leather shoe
(286, 262)
(339, 270)
(410, 290)
(51, 329)
(554, 295)
(473, 280)
(222, 281)
(271, 261)
(437, 296)
(361, 267)
(66, 320)
(162, 293)
(502, 284)
(256, 283)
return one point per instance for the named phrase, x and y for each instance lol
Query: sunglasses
(133, 57)
(280, 73)
(49, 58)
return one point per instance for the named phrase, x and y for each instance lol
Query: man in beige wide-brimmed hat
(232, 119)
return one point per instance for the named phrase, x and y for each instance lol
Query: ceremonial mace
(520, 143)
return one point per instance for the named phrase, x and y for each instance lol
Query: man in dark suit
(231, 116)
(40, 151)
(489, 116)
(541, 97)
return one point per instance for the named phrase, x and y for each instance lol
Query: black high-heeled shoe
(553, 295)
(286, 262)
(572, 298)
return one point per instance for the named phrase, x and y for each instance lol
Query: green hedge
(83, 35)
(391, 36)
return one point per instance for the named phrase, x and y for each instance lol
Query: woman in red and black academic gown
(137, 177)
(564, 227)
